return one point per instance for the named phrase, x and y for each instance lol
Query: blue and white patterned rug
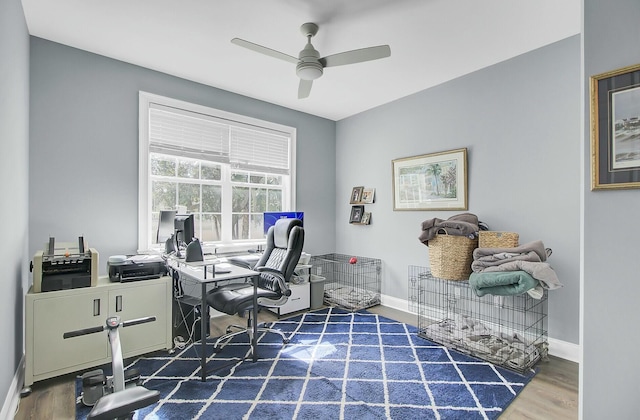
(339, 365)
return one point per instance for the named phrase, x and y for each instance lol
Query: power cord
(179, 292)
(179, 342)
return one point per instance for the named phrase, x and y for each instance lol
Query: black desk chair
(278, 262)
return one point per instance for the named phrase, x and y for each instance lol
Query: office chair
(278, 262)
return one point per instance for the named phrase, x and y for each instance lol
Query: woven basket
(450, 256)
(490, 239)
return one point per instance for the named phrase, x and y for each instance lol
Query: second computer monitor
(271, 217)
(166, 226)
(184, 227)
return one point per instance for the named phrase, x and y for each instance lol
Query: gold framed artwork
(615, 129)
(435, 181)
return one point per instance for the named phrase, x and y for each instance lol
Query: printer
(65, 265)
(124, 268)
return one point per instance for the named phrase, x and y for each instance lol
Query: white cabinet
(49, 315)
(298, 301)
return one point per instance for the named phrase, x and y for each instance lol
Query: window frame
(145, 222)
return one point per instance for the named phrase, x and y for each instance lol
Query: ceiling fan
(309, 64)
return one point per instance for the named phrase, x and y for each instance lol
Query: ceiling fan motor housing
(309, 67)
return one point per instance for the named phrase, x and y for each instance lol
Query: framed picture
(615, 129)
(437, 181)
(356, 195)
(368, 195)
(356, 214)
(366, 218)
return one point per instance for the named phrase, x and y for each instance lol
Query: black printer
(124, 268)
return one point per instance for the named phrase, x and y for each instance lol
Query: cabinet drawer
(143, 300)
(53, 317)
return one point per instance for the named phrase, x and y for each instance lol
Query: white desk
(197, 272)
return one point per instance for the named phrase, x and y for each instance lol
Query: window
(226, 169)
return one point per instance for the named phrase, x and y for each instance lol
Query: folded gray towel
(535, 246)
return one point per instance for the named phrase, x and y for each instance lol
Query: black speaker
(194, 251)
(169, 245)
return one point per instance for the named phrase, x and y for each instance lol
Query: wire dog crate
(509, 331)
(351, 286)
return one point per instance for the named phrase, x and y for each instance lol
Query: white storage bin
(298, 301)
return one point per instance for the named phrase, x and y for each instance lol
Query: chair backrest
(285, 240)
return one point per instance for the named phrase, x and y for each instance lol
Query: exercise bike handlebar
(112, 322)
(138, 321)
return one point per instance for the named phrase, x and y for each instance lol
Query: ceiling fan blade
(264, 50)
(356, 56)
(304, 88)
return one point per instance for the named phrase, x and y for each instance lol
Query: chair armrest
(281, 283)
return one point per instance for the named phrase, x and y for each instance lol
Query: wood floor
(552, 394)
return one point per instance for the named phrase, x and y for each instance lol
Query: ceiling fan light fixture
(309, 65)
(309, 70)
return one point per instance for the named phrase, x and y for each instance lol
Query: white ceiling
(432, 41)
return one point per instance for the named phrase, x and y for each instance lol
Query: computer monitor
(184, 228)
(166, 226)
(270, 217)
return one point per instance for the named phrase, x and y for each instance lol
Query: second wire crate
(350, 284)
(510, 331)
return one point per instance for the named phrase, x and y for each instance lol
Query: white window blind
(259, 150)
(190, 134)
(187, 134)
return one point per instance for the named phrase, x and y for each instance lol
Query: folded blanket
(488, 257)
(540, 271)
(535, 246)
(464, 224)
(505, 283)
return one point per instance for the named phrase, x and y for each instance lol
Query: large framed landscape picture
(615, 129)
(435, 181)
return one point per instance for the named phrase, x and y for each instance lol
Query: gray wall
(14, 211)
(83, 159)
(611, 287)
(520, 121)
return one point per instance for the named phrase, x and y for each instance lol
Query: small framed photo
(356, 195)
(368, 195)
(615, 129)
(366, 218)
(356, 214)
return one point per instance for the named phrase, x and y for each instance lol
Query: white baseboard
(13, 395)
(395, 303)
(564, 350)
(557, 348)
